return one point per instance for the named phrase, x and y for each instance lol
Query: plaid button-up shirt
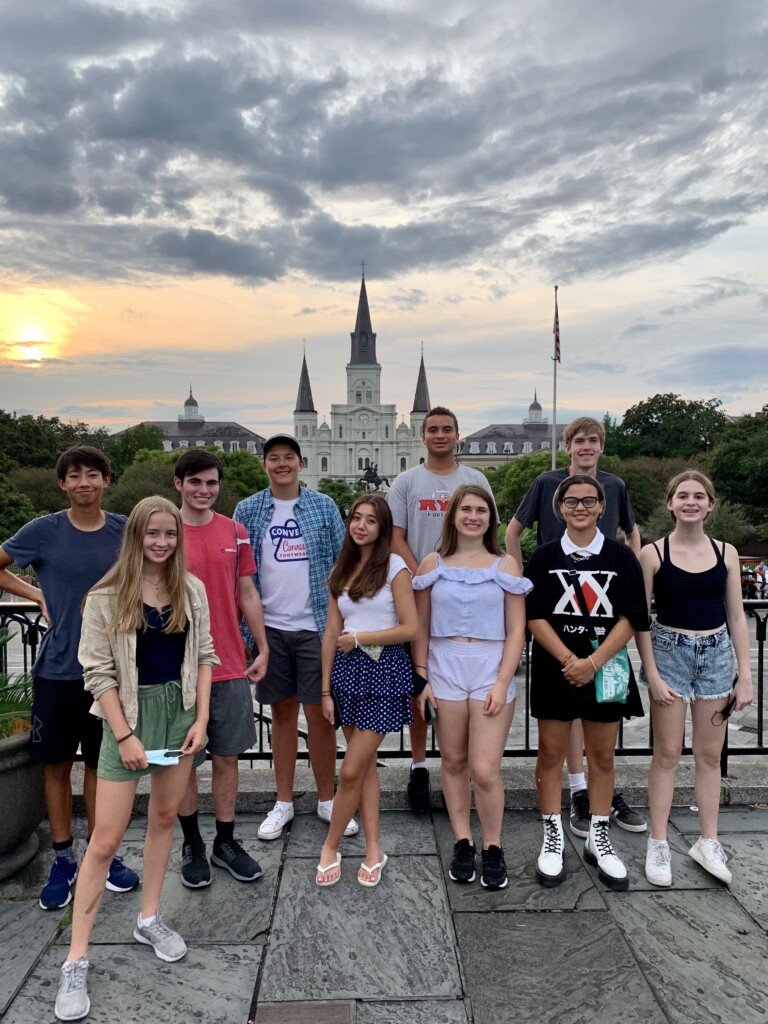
(322, 529)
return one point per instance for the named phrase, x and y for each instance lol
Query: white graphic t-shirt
(284, 573)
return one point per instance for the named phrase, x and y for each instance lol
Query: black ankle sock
(189, 827)
(65, 849)
(225, 830)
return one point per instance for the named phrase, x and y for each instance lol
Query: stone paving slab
(130, 984)
(521, 838)
(25, 934)
(730, 819)
(402, 833)
(564, 968)
(748, 857)
(227, 911)
(348, 942)
(704, 957)
(433, 1011)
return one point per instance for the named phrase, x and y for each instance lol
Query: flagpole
(555, 361)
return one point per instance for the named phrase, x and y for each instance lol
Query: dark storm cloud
(253, 139)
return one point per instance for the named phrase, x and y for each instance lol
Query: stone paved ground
(418, 949)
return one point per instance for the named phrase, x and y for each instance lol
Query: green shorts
(162, 724)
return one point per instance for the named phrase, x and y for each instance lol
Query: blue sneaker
(57, 891)
(120, 877)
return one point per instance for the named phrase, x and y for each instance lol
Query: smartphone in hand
(430, 711)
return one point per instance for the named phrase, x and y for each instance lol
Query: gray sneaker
(168, 944)
(72, 1000)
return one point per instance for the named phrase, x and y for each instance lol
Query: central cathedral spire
(363, 338)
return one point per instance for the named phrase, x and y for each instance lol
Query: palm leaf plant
(15, 696)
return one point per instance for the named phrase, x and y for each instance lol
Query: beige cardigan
(109, 659)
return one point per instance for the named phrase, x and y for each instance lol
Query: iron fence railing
(24, 619)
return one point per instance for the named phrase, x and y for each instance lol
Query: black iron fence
(24, 619)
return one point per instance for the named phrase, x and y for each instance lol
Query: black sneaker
(625, 817)
(239, 864)
(195, 869)
(579, 817)
(462, 867)
(494, 874)
(418, 791)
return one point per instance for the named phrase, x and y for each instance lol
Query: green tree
(244, 473)
(15, 509)
(39, 440)
(739, 466)
(340, 491)
(122, 450)
(647, 479)
(667, 426)
(41, 487)
(510, 482)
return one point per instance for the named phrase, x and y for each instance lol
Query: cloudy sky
(187, 191)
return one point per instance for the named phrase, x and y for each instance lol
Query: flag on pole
(556, 330)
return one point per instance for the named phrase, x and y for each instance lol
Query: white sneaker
(324, 811)
(549, 866)
(598, 850)
(274, 823)
(658, 864)
(711, 856)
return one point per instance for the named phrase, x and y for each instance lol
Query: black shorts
(62, 722)
(294, 668)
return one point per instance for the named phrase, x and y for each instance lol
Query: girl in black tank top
(688, 660)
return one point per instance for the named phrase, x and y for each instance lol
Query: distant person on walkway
(418, 499)
(585, 586)
(471, 607)
(218, 552)
(584, 440)
(365, 668)
(688, 661)
(296, 535)
(147, 655)
(69, 551)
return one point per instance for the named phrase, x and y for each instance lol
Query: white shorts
(459, 671)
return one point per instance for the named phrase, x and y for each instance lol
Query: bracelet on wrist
(567, 658)
(326, 693)
(594, 666)
(126, 737)
(422, 667)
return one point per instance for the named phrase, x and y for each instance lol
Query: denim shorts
(695, 667)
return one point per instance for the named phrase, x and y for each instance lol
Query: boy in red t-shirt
(217, 551)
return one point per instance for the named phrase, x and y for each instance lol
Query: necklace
(158, 586)
(580, 558)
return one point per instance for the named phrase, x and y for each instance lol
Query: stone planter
(22, 804)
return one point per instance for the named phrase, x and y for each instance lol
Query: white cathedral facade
(363, 433)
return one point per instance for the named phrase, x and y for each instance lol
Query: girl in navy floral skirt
(371, 614)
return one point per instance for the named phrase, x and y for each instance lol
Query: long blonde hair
(125, 575)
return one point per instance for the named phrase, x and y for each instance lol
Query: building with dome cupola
(190, 430)
(363, 432)
(498, 443)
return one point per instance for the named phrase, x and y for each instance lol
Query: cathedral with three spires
(363, 433)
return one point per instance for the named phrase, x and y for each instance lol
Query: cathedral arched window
(363, 341)
(367, 463)
(305, 431)
(324, 465)
(368, 396)
(306, 462)
(402, 465)
(358, 398)
(340, 431)
(359, 463)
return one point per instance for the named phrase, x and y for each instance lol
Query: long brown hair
(125, 575)
(373, 575)
(449, 538)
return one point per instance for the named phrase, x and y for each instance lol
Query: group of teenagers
(406, 614)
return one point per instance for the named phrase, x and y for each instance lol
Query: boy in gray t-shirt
(418, 499)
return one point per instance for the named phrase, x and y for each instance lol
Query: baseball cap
(282, 439)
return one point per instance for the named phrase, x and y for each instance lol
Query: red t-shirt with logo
(219, 556)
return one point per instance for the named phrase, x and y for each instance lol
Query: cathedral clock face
(363, 418)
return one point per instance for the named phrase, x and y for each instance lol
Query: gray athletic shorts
(294, 668)
(231, 727)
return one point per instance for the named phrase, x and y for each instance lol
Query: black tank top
(690, 600)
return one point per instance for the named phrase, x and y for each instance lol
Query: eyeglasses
(588, 502)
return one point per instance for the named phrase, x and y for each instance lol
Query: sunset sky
(187, 191)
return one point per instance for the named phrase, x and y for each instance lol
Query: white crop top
(373, 613)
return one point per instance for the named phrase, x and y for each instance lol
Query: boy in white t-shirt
(296, 536)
